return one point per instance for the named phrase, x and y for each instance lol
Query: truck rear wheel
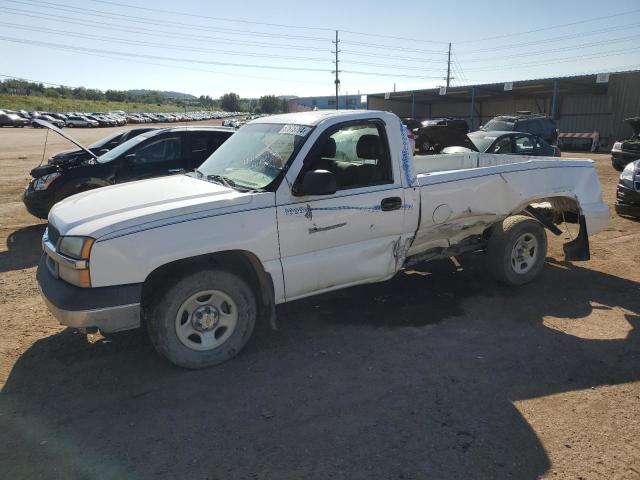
(203, 319)
(517, 250)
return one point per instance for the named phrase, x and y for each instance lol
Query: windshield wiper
(227, 182)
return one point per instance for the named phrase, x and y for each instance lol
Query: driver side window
(502, 146)
(166, 149)
(357, 154)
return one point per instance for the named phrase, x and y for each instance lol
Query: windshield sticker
(297, 130)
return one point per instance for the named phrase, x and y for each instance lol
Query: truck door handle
(391, 203)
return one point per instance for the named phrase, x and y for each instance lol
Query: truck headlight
(617, 147)
(73, 261)
(626, 177)
(76, 247)
(42, 183)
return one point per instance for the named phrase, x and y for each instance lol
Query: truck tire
(203, 319)
(517, 250)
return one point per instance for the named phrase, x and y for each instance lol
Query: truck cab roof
(316, 117)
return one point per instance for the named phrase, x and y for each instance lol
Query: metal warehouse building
(580, 104)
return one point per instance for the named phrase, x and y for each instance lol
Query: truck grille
(54, 234)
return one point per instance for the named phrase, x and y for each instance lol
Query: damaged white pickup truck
(295, 205)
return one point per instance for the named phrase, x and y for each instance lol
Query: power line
(154, 33)
(551, 39)
(163, 23)
(393, 37)
(156, 57)
(159, 45)
(557, 60)
(391, 47)
(192, 49)
(223, 19)
(174, 59)
(236, 20)
(561, 49)
(571, 24)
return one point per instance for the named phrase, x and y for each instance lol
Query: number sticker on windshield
(297, 130)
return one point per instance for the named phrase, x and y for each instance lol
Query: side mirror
(317, 182)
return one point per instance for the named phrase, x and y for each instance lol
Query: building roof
(520, 89)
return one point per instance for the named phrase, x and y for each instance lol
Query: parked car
(12, 120)
(150, 154)
(102, 121)
(511, 143)
(81, 121)
(537, 124)
(275, 215)
(423, 142)
(102, 146)
(626, 151)
(47, 118)
(628, 193)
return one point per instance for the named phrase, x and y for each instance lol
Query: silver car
(80, 121)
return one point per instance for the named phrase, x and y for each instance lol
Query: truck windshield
(255, 155)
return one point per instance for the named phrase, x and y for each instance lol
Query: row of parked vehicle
(23, 118)
(522, 133)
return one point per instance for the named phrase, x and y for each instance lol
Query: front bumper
(110, 309)
(627, 201)
(38, 202)
(620, 159)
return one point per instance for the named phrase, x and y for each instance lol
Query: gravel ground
(439, 373)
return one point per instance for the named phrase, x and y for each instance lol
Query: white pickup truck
(296, 205)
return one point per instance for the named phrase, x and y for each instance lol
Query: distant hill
(168, 94)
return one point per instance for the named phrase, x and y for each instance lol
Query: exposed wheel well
(239, 262)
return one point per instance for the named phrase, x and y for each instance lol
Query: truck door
(350, 236)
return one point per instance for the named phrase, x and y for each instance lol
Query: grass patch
(47, 104)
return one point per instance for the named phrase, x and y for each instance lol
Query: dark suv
(537, 124)
(626, 151)
(154, 153)
(424, 132)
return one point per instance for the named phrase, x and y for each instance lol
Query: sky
(256, 48)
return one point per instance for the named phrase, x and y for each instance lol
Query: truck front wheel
(203, 319)
(517, 250)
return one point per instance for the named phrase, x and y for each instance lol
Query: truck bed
(463, 194)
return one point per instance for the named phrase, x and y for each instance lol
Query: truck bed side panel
(462, 203)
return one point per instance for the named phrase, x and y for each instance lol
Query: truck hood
(118, 208)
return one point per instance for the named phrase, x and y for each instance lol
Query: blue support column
(554, 99)
(413, 104)
(473, 108)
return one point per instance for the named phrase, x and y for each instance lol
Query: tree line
(230, 102)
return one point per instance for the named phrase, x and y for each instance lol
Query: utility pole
(449, 66)
(337, 70)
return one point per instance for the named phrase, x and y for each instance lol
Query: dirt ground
(439, 373)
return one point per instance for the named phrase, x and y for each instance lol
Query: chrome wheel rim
(206, 320)
(524, 253)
